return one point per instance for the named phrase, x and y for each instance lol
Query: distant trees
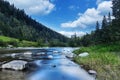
(97, 26)
(100, 35)
(104, 22)
(109, 19)
(108, 32)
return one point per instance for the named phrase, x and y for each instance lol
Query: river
(58, 67)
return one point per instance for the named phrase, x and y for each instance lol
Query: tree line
(108, 32)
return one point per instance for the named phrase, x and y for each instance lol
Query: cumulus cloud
(41, 7)
(90, 16)
(105, 7)
(69, 33)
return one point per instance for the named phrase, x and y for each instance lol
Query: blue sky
(66, 16)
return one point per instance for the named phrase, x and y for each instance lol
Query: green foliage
(56, 42)
(25, 43)
(41, 42)
(109, 33)
(5, 41)
(101, 48)
(13, 43)
(116, 9)
(2, 43)
(104, 22)
(104, 58)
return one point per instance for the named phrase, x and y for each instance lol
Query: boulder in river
(93, 73)
(27, 54)
(13, 55)
(50, 57)
(15, 65)
(84, 54)
(70, 55)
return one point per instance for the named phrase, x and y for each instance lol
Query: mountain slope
(15, 23)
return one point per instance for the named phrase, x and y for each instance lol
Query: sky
(66, 16)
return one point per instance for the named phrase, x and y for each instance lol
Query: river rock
(70, 55)
(93, 73)
(13, 55)
(84, 54)
(27, 54)
(15, 65)
(50, 57)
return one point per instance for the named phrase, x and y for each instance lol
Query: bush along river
(40, 64)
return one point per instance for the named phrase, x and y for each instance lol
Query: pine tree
(116, 9)
(104, 22)
(116, 22)
(97, 26)
(97, 34)
(109, 19)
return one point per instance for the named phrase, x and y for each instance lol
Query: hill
(17, 24)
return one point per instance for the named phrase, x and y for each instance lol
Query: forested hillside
(15, 23)
(106, 33)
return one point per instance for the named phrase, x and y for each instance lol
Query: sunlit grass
(105, 59)
(23, 43)
(6, 39)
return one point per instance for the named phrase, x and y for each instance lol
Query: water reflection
(56, 68)
(64, 69)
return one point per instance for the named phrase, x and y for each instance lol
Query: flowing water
(51, 65)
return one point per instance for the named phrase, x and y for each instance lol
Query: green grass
(23, 43)
(104, 58)
(6, 39)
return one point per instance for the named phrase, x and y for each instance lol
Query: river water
(52, 65)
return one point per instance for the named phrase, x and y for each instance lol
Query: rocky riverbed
(43, 64)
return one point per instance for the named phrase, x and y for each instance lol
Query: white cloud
(105, 7)
(34, 7)
(90, 16)
(69, 33)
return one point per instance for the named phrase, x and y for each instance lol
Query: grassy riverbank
(5, 41)
(105, 59)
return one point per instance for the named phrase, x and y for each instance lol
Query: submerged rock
(32, 66)
(83, 54)
(55, 51)
(15, 65)
(53, 66)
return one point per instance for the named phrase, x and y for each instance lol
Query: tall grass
(104, 58)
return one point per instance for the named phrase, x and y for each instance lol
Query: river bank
(105, 59)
